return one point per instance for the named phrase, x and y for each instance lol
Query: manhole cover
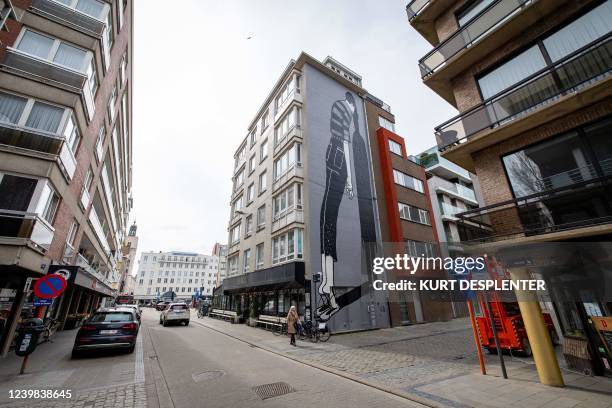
(207, 375)
(273, 390)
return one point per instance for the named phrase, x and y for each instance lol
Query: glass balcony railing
(488, 19)
(85, 22)
(19, 224)
(414, 8)
(584, 67)
(455, 188)
(29, 138)
(450, 210)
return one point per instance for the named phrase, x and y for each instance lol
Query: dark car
(162, 305)
(113, 328)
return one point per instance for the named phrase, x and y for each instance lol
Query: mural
(340, 184)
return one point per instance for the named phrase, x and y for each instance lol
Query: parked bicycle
(315, 332)
(51, 326)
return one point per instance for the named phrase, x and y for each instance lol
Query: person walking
(292, 319)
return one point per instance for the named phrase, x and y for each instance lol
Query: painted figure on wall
(346, 150)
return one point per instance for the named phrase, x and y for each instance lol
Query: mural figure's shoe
(325, 312)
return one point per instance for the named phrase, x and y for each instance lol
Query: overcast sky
(198, 82)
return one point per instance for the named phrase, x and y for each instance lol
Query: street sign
(42, 302)
(49, 286)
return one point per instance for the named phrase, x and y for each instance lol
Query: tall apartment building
(303, 217)
(220, 251)
(184, 273)
(126, 265)
(531, 81)
(65, 150)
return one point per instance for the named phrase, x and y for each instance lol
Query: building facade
(531, 81)
(183, 273)
(220, 251)
(126, 265)
(65, 149)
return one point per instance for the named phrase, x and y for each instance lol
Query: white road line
(139, 375)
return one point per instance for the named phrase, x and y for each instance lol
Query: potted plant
(253, 308)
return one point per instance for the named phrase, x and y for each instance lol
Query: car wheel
(131, 349)
(76, 354)
(165, 323)
(187, 323)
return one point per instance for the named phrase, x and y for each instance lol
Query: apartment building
(184, 273)
(220, 251)
(65, 151)
(126, 264)
(531, 81)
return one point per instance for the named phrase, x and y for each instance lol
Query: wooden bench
(228, 315)
(271, 321)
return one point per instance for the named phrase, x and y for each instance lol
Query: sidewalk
(98, 381)
(433, 363)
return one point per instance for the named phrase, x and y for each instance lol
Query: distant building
(184, 273)
(220, 251)
(129, 248)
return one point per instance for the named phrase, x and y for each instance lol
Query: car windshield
(179, 307)
(111, 317)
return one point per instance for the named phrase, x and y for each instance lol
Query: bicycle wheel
(314, 336)
(324, 335)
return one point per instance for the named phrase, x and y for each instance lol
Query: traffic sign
(49, 286)
(42, 302)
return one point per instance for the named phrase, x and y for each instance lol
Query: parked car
(112, 328)
(162, 305)
(135, 307)
(175, 313)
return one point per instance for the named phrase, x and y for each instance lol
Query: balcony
(455, 190)
(21, 227)
(37, 69)
(288, 217)
(441, 167)
(450, 211)
(295, 133)
(471, 43)
(294, 96)
(580, 78)
(296, 170)
(422, 15)
(581, 206)
(66, 15)
(94, 220)
(31, 139)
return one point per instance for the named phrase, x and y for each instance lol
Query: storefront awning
(286, 276)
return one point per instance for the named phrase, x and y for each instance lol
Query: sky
(198, 83)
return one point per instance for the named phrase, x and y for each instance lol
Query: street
(189, 366)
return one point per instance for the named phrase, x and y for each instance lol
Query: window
(395, 147)
(287, 160)
(110, 31)
(466, 15)
(246, 259)
(287, 90)
(112, 101)
(288, 122)
(240, 157)
(72, 135)
(100, 144)
(235, 234)
(386, 123)
(250, 193)
(54, 50)
(407, 181)
(20, 111)
(248, 228)
(92, 77)
(72, 233)
(287, 246)
(253, 136)
(264, 121)
(252, 164)
(239, 180)
(287, 200)
(414, 214)
(233, 264)
(261, 217)
(93, 8)
(263, 150)
(263, 182)
(259, 256)
(420, 249)
(237, 206)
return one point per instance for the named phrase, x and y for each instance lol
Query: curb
(351, 377)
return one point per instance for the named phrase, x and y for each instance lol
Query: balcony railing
(67, 161)
(577, 205)
(490, 18)
(450, 210)
(456, 189)
(294, 133)
(295, 170)
(29, 138)
(6, 12)
(94, 220)
(287, 217)
(414, 8)
(586, 66)
(29, 226)
(67, 15)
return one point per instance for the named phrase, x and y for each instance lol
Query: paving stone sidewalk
(435, 363)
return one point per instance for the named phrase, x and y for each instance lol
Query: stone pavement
(433, 363)
(106, 381)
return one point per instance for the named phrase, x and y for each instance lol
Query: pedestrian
(292, 319)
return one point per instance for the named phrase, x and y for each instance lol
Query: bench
(228, 315)
(271, 321)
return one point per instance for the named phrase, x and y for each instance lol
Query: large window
(248, 226)
(27, 194)
(472, 10)
(250, 193)
(420, 249)
(287, 200)
(246, 259)
(261, 216)
(386, 123)
(235, 234)
(414, 214)
(288, 122)
(259, 256)
(287, 90)
(287, 160)
(287, 246)
(395, 147)
(237, 206)
(263, 182)
(263, 150)
(572, 37)
(53, 50)
(232, 262)
(239, 180)
(407, 181)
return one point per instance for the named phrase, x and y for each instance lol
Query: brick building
(531, 81)
(65, 151)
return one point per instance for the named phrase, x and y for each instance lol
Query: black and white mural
(341, 205)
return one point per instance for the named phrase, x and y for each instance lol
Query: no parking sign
(49, 286)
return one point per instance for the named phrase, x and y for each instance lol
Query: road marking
(139, 375)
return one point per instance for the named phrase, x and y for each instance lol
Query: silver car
(175, 313)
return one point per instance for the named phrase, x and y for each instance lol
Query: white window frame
(408, 181)
(281, 248)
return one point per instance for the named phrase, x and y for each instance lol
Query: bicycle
(51, 326)
(314, 332)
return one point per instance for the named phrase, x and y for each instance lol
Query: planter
(252, 322)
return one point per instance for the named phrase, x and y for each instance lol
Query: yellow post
(537, 333)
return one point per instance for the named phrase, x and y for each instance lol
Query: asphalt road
(195, 366)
